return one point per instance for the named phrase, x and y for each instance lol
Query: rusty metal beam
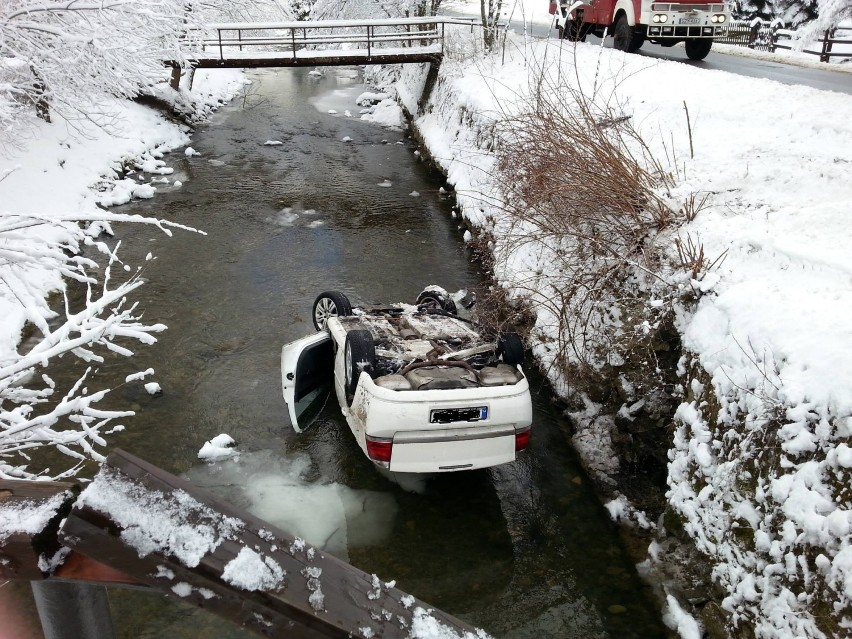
(352, 599)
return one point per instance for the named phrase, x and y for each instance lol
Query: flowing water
(523, 550)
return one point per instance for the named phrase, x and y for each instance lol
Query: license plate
(449, 415)
(688, 21)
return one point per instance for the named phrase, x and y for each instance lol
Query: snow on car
(421, 389)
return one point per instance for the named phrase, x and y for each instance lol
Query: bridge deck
(234, 58)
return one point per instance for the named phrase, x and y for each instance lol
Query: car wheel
(435, 298)
(360, 355)
(698, 48)
(511, 349)
(330, 304)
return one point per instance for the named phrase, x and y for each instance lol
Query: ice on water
(274, 487)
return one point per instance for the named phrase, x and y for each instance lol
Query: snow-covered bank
(63, 172)
(758, 475)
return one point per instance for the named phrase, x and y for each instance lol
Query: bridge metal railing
(232, 39)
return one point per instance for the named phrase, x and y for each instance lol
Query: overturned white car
(421, 389)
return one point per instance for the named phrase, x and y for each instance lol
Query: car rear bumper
(449, 450)
(483, 433)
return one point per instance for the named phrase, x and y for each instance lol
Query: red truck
(632, 22)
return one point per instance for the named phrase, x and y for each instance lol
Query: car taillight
(522, 439)
(379, 449)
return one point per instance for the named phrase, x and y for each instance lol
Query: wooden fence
(764, 37)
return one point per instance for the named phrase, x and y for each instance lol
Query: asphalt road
(825, 80)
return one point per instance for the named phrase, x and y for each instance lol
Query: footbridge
(316, 43)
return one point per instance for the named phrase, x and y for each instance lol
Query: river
(524, 550)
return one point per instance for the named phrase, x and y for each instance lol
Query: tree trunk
(490, 18)
(41, 104)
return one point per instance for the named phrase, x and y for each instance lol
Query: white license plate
(688, 21)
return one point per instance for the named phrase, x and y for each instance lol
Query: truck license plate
(688, 21)
(449, 415)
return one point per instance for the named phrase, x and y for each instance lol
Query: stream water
(523, 550)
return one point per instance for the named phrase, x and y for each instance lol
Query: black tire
(638, 41)
(624, 36)
(436, 299)
(511, 349)
(360, 355)
(698, 48)
(329, 304)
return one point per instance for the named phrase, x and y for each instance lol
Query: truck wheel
(360, 355)
(621, 34)
(329, 304)
(624, 36)
(511, 349)
(698, 48)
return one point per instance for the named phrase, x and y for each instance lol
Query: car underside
(420, 387)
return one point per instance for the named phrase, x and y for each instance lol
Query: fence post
(221, 55)
(827, 42)
(369, 35)
(174, 81)
(773, 37)
(68, 610)
(752, 36)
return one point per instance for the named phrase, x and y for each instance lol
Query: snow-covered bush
(70, 56)
(587, 203)
(760, 475)
(363, 9)
(34, 412)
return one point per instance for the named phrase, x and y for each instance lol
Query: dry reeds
(582, 193)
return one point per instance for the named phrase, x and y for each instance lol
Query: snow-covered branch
(31, 414)
(358, 9)
(72, 57)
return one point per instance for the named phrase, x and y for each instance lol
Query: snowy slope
(760, 462)
(57, 171)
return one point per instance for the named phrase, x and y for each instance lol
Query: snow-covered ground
(760, 462)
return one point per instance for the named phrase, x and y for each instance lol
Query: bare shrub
(583, 191)
(692, 258)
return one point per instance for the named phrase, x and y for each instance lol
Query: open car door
(307, 367)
